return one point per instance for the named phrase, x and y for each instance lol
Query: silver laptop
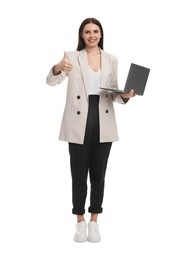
(136, 80)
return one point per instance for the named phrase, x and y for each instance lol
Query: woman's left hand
(129, 94)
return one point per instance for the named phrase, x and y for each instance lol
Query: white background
(140, 205)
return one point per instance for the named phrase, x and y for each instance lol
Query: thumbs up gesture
(63, 65)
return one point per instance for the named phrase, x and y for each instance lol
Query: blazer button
(107, 111)
(78, 97)
(78, 112)
(106, 95)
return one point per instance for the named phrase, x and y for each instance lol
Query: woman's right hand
(64, 65)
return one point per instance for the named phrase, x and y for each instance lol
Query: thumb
(65, 55)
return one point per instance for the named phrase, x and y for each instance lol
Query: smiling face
(91, 35)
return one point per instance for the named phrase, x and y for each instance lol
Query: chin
(92, 44)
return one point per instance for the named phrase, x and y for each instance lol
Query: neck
(93, 51)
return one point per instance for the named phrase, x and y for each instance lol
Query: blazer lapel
(104, 68)
(82, 58)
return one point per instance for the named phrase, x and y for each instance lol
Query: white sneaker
(81, 232)
(93, 232)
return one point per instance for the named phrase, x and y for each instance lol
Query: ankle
(94, 217)
(80, 218)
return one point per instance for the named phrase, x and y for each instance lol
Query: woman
(88, 124)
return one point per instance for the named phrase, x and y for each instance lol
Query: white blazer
(75, 113)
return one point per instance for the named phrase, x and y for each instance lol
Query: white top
(94, 81)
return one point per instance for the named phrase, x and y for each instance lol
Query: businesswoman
(88, 124)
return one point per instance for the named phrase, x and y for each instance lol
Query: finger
(132, 91)
(65, 55)
(68, 67)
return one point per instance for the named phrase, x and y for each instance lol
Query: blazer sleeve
(116, 97)
(53, 80)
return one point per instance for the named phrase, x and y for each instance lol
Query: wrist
(56, 70)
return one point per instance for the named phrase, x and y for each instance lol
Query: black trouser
(92, 157)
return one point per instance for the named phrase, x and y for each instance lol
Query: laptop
(136, 79)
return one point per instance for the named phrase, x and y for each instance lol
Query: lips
(92, 41)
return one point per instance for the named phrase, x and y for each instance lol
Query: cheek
(85, 39)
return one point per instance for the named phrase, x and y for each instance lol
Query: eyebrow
(96, 30)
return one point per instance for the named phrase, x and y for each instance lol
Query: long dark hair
(81, 43)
